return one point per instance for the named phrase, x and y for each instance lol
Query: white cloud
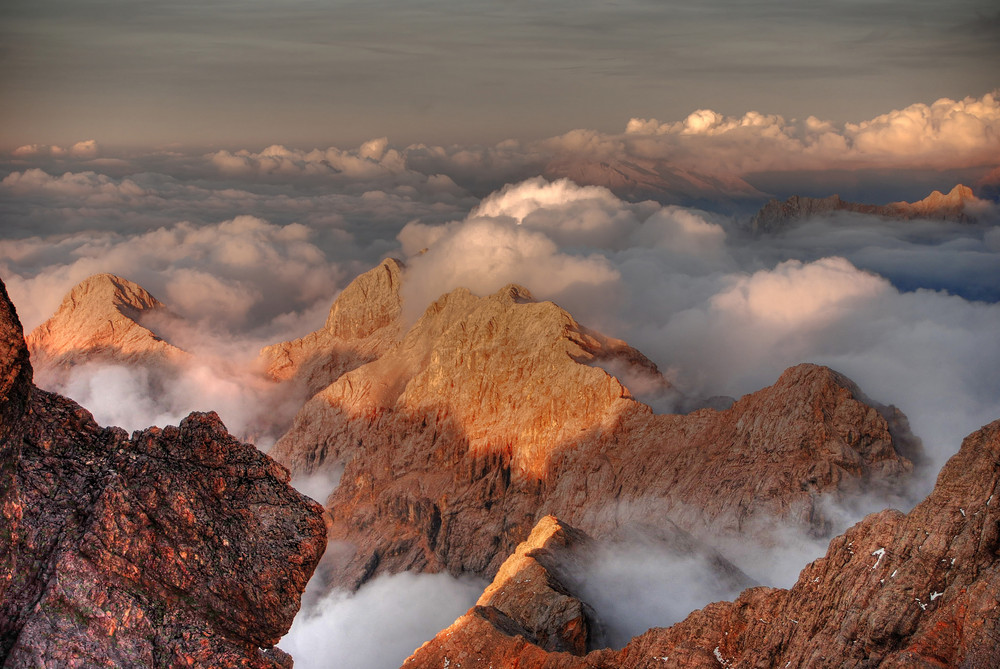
(945, 134)
(484, 254)
(381, 624)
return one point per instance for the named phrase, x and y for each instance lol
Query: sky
(305, 73)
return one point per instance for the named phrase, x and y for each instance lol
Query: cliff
(896, 590)
(178, 546)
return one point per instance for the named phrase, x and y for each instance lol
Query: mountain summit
(494, 411)
(100, 320)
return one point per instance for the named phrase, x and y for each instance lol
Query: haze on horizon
(305, 73)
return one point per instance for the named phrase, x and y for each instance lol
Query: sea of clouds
(248, 248)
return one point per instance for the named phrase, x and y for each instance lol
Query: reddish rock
(364, 322)
(896, 590)
(178, 546)
(493, 412)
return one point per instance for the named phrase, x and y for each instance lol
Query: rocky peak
(98, 320)
(364, 321)
(513, 375)
(959, 205)
(937, 205)
(494, 411)
(369, 303)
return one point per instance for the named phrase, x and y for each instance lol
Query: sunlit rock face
(178, 546)
(99, 321)
(364, 323)
(896, 590)
(495, 411)
(536, 599)
(959, 205)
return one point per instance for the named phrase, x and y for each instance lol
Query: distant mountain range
(960, 206)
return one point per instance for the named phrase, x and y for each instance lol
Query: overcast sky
(314, 73)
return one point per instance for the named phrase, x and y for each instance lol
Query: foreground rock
(364, 323)
(959, 205)
(175, 547)
(493, 412)
(896, 590)
(99, 321)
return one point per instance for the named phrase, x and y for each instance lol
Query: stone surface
(364, 322)
(99, 321)
(178, 546)
(959, 205)
(896, 590)
(493, 412)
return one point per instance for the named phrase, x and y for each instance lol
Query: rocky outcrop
(173, 547)
(493, 412)
(364, 322)
(99, 321)
(530, 595)
(960, 205)
(896, 590)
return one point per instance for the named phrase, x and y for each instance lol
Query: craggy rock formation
(960, 205)
(176, 547)
(529, 596)
(492, 412)
(364, 322)
(98, 321)
(896, 590)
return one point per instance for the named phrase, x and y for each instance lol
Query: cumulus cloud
(84, 150)
(381, 624)
(484, 254)
(238, 272)
(944, 134)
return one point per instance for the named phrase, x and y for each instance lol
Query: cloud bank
(381, 624)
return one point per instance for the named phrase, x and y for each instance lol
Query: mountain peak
(368, 303)
(960, 205)
(364, 322)
(98, 319)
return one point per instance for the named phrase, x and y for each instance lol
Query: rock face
(492, 413)
(896, 590)
(959, 205)
(364, 322)
(529, 593)
(176, 547)
(98, 321)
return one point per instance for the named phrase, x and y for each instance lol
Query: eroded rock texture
(364, 322)
(493, 412)
(896, 590)
(175, 547)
